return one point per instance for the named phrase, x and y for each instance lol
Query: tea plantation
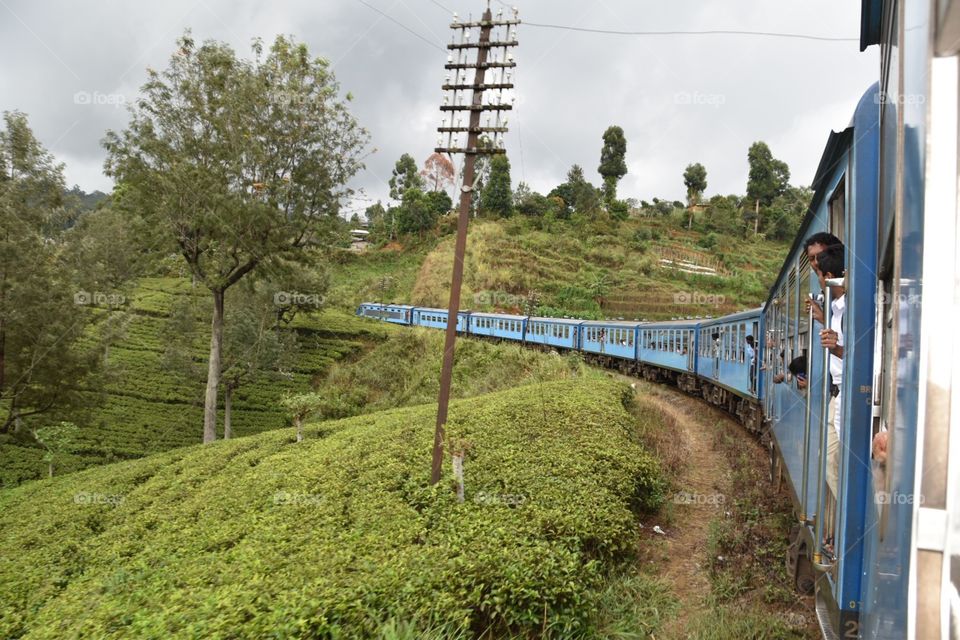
(341, 536)
(147, 407)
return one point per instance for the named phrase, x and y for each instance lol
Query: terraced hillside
(147, 407)
(630, 270)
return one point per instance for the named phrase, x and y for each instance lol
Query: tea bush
(341, 536)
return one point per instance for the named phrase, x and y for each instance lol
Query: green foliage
(229, 212)
(405, 176)
(769, 179)
(45, 356)
(497, 198)
(613, 165)
(341, 535)
(577, 195)
(695, 180)
(416, 213)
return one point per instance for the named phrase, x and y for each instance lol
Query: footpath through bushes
(341, 536)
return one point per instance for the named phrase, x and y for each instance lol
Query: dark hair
(749, 340)
(830, 260)
(824, 238)
(715, 336)
(798, 365)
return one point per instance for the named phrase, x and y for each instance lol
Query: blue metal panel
(437, 318)
(888, 527)
(615, 339)
(860, 234)
(725, 363)
(554, 332)
(495, 325)
(395, 313)
(672, 345)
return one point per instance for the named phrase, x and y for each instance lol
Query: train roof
(733, 317)
(672, 323)
(439, 310)
(387, 304)
(556, 320)
(506, 316)
(611, 323)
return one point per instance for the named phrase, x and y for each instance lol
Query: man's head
(749, 340)
(815, 245)
(830, 261)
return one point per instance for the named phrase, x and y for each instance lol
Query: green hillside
(148, 408)
(640, 268)
(341, 535)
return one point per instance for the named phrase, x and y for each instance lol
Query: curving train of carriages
(859, 430)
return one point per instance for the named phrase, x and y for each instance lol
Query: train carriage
(437, 318)
(611, 340)
(723, 354)
(395, 313)
(561, 333)
(498, 325)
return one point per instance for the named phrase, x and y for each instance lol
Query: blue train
(877, 533)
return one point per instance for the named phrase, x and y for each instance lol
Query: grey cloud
(680, 99)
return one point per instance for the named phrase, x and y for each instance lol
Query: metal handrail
(824, 425)
(806, 421)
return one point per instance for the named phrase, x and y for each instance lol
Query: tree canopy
(237, 163)
(613, 164)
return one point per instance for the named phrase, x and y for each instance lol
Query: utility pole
(481, 98)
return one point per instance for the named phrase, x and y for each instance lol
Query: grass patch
(342, 536)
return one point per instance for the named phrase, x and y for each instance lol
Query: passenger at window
(814, 246)
(830, 263)
(798, 369)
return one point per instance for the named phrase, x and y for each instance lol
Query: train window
(837, 209)
(630, 338)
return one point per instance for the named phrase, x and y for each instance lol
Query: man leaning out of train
(814, 246)
(830, 266)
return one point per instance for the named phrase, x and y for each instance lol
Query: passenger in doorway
(751, 359)
(814, 246)
(830, 265)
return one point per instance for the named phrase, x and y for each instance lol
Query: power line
(442, 7)
(402, 26)
(710, 32)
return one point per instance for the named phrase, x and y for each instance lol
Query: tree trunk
(756, 217)
(690, 220)
(213, 372)
(299, 423)
(50, 469)
(227, 408)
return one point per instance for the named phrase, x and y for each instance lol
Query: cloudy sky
(71, 64)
